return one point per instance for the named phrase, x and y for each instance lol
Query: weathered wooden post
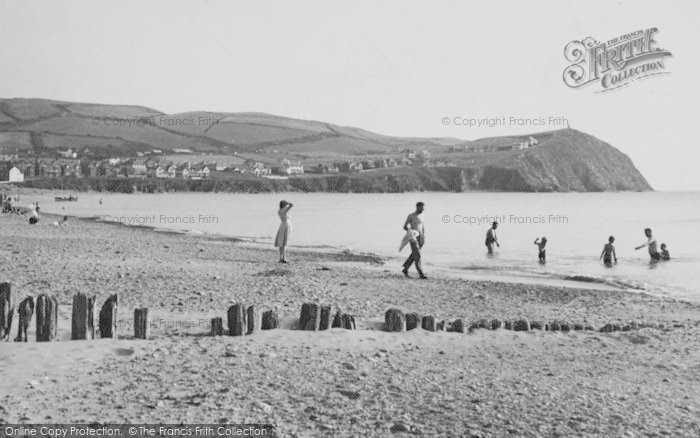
(46, 318)
(142, 323)
(348, 322)
(7, 310)
(253, 316)
(337, 319)
(108, 318)
(217, 326)
(521, 325)
(413, 321)
(25, 310)
(536, 325)
(343, 320)
(310, 318)
(429, 323)
(325, 322)
(394, 321)
(459, 326)
(83, 317)
(236, 320)
(269, 320)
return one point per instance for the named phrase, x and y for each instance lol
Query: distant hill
(38, 124)
(562, 160)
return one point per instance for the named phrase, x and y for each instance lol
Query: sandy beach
(338, 382)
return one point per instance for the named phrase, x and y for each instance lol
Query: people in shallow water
(608, 254)
(651, 243)
(541, 243)
(665, 255)
(491, 238)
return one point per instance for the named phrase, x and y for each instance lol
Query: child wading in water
(541, 244)
(608, 254)
(665, 255)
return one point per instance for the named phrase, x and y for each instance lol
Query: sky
(392, 67)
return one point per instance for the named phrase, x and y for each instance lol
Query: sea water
(576, 225)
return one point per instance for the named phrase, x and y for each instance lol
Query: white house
(16, 175)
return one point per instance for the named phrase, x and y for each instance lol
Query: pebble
(399, 427)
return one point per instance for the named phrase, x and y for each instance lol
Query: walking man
(414, 221)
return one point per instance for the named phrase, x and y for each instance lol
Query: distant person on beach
(665, 255)
(414, 222)
(284, 229)
(541, 244)
(491, 238)
(608, 254)
(651, 243)
(34, 218)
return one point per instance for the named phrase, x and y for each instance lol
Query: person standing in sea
(284, 230)
(491, 238)
(414, 221)
(608, 253)
(541, 244)
(651, 243)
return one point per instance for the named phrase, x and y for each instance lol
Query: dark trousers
(414, 257)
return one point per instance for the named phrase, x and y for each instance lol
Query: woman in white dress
(284, 229)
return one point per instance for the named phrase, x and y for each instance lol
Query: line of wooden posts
(82, 321)
(245, 320)
(241, 319)
(396, 320)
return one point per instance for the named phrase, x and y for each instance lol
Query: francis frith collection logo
(614, 63)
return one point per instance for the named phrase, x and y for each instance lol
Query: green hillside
(42, 125)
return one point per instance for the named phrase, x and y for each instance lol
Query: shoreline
(369, 262)
(561, 277)
(377, 261)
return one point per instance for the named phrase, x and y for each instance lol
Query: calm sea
(576, 225)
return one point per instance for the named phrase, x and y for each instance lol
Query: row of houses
(288, 168)
(155, 167)
(149, 168)
(63, 167)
